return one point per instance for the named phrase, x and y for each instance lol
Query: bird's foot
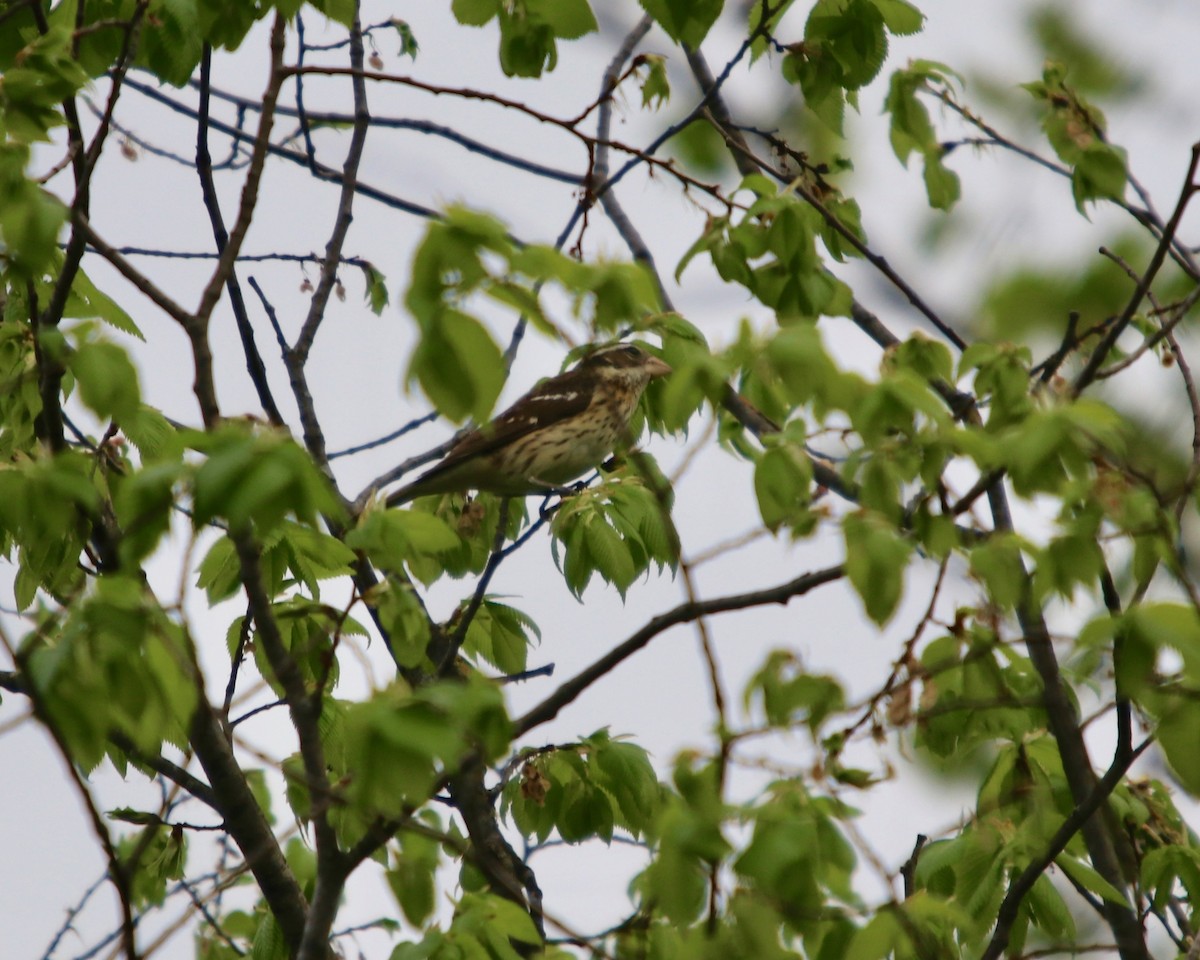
(545, 511)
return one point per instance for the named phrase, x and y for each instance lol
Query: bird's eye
(632, 352)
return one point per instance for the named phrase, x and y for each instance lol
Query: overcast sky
(1011, 213)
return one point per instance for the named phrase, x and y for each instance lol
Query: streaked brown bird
(558, 431)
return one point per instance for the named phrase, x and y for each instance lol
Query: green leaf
(375, 292)
(171, 43)
(617, 530)
(40, 78)
(412, 876)
(999, 565)
(876, 559)
(340, 11)
(1050, 911)
(901, 17)
(929, 359)
(256, 780)
(1101, 173)
(393, 537)
(30, 218)
(108, 381)
(475, 13)
(225, 23)
(686, 22)
(408, 41)
(268, 940)
(257, 477)
(313, 555)
(1163, 866)
(675, 880)
(763, 34)
(1086, 877)
(609, 554)
(459, 366)
(624, 770)
(911, 130)
(851, 39)
(883, 935)
(152, 433)
(569, 19)
(162, 858)
(501, 635)
(656, 88)
(783, 486)
(524, 301)
(219, 574)
(789, 695)
(87, 302)
(118, 664)
(1178, 721)
(144, 505)
(405, 619)
(129, 815)
(941, 183)
(394, 743)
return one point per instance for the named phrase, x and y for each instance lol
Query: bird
(556, 432)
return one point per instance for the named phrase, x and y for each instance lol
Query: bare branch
(1099, 794)
(1100, 354)
(566, 694)
(254, 361)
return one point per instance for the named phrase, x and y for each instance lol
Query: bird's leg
(556, 490)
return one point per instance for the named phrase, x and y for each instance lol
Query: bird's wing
(556, 399)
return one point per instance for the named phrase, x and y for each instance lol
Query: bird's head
(624, 362)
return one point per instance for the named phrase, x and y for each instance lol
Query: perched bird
(558, 431)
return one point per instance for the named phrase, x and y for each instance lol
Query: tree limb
(549, 708)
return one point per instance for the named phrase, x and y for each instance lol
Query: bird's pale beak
(656, 367)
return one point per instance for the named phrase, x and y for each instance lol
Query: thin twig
(448, 657)
(254, 362)
(1100, 354)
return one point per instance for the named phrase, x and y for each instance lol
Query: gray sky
(1011, 213)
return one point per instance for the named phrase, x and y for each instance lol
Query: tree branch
(1078, 817)
(549, 708)
(297, 356)
(1100, 354)
(247, 825)
(1101, 840)
(254, 361)
(305, 710)
(197, 330)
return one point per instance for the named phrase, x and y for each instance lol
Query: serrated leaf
(901, 17)
(151, 432)
(108, 381)
(1086, 877)
(474, 13)
(87, 301)
(609, 554)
